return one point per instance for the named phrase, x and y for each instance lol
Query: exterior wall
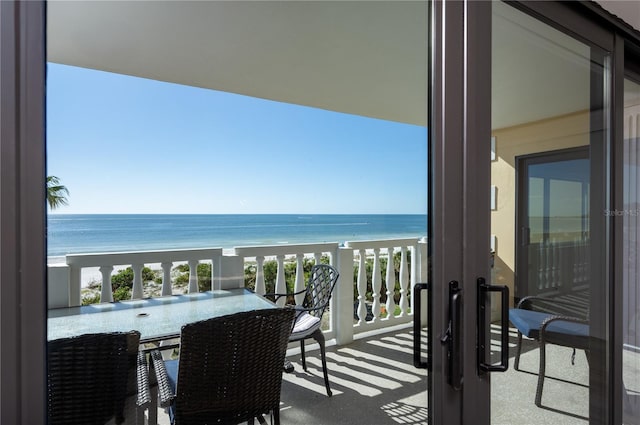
(546, 135)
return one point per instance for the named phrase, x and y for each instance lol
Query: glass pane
(209, 145)
(544, 88)
(631, 254)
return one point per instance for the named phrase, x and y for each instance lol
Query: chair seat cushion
(528, 322)
(304, 326)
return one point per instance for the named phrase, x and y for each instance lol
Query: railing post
(423, 254)
(231, 272)
(342, 315)
(362, 286)
(58, 278)
(166, 278)
(106, 294)
(404, 281)
(193, 276)
(299, 285)
(376, 285)
(281, 286)
(75, 275)
(136, 290)
(391, 285)
(260, 286)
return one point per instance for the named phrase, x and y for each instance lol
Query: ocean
(93, 233)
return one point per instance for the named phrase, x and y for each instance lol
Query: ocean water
(92, 233)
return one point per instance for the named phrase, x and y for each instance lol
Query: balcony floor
(374, 382)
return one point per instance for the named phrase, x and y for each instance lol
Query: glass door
(548, 233)
(521, 283)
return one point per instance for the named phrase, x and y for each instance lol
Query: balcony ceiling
(365, 58)
(357, 57)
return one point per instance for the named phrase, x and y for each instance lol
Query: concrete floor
(374, 383)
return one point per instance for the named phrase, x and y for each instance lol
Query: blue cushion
(529, 322)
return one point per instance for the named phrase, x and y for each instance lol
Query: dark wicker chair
(90, 376)
(229, 370)
(545, 320)
(322, 280)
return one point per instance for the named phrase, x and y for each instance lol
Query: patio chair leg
(541, 373)
(319, 337)
(304, 361)
(276, 416)
(516, 363)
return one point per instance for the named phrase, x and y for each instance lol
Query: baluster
(299, 285)
(193, 276)
(404, 281)
(547, 265)
(555, 270)
(362, 287)
(391, 284)
(136, 291)
(166, 278)
(317, 256)
(260, 287)
(376, 284)
(281, 286)
(540, 264)
(106, 294)
(413, 250)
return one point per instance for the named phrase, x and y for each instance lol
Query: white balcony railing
(369, 295)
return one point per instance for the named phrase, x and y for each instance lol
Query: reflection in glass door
(630, 216)
(547, 232)
(553, 223)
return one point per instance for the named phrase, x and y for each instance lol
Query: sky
(129, 145)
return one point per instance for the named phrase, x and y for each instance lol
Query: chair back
(230, 367)
(87, 377)
(322, 280)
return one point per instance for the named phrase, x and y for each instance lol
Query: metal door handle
(417, 327)
(483, 290)
(453, 336)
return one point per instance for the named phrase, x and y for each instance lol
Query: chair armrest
(276, 296)
(165, 392)
(527, 303)
(142, 379)
(546, 322)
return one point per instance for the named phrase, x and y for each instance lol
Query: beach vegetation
(91, 298)
(56, 193)
(204, 276)
(122, 282)
(270, 270)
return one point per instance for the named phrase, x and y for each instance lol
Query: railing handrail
(382, 243)
(125, 258)
(273, 250)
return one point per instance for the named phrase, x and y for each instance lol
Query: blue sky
(129, 145)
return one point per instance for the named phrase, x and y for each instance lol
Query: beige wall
(547, 135)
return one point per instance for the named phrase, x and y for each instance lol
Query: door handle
(483, 290)
(417, 328)
(526, 236)
(453, 337)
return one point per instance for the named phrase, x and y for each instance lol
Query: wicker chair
(89, 376)
(229, 370)
(547, 323)
(322, 280)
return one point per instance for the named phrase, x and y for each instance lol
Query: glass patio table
(156, 319)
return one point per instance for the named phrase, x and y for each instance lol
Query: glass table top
(155, 318)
